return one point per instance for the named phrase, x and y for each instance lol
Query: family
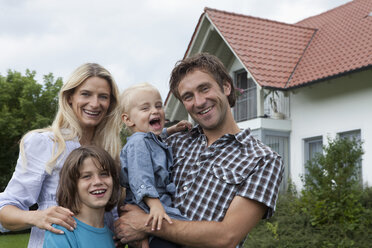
(206, 185)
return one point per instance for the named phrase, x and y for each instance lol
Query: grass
(14, 240)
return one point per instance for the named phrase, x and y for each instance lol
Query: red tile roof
(280, 55)
(343, 43)
(269, 50)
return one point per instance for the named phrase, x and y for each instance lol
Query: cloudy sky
(136, 40)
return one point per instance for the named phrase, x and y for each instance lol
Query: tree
(24, 105)
(332, 189)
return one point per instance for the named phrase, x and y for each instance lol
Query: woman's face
(90, 101)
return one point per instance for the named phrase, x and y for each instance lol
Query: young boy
(88, 186)
(145, 160)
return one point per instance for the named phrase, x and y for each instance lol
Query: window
(355, 134)
(279, 142)
(312, 147)
(246, 103)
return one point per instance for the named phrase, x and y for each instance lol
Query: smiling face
(90, 102)
(146, 114)
(204, 100)
(94, 186)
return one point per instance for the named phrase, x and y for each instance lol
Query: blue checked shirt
(208, 178)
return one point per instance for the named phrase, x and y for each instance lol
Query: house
(301, 83)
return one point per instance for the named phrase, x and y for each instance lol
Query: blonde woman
(88, 114)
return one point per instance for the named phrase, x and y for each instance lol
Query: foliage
(294, 228)
(332, 192)
(124, 134)
(24, 105)
(238, 92)
(325, 214)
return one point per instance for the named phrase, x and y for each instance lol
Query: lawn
(14, 240)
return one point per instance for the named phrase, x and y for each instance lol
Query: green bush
(332, 188)
(332, 210)
(293, 228)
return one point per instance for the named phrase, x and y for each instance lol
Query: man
(226, 180)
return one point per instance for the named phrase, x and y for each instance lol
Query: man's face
(204, 100)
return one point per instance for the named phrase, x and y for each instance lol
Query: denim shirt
(146, 163)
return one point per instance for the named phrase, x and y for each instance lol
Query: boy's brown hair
(204, 62)
(67, 192)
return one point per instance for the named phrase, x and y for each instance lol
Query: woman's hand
(44, 219)
(15, 219)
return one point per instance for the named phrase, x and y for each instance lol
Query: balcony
(247, 105)
(276, 105)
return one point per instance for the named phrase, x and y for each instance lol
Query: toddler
(146, 160)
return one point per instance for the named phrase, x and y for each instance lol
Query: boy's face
(146, 113)
(94, 186)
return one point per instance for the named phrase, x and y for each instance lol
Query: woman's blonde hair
(106, 133)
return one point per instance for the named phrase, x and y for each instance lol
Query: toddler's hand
(157, 215)
(180, 126)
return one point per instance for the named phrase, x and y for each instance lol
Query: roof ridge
(325, 13)
(299, 60)
(257, 18)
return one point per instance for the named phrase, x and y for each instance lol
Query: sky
(137, 41)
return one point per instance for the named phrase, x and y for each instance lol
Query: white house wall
(328, 108)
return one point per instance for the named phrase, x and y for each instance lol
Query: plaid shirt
(208, 178)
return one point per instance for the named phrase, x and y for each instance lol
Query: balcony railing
(246, 106)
